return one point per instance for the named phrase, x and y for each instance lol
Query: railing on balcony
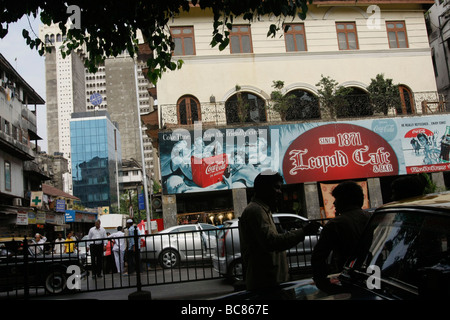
(262, 112)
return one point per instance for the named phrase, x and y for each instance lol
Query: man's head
(129, 222)
(347, 194)
(97, 224)
(267, 186)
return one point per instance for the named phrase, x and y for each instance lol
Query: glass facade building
(96, 158)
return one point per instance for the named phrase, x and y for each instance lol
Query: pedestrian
(407, 187)
(339, 236)
(58, 248)
(97, 235)
(38, 244)
(119, 249)
(69, 243)
(109, 257)
(132, 246)
(262, 247)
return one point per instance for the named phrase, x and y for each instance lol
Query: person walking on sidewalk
(98, 236)
(119, 249)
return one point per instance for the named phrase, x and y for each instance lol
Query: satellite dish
(96, 99)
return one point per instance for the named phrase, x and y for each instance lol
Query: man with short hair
(132, 230)
(340, 235)
(97, 246)
(119, 249)
(262, 247)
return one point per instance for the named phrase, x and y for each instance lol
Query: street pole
(144, 174)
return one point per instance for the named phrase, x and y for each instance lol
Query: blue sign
(141, 201)
(70, 216)
(60, 205)
(96, 99)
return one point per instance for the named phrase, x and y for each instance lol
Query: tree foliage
(384, 94)
(332, 96)
(109, 27)
(281, 102)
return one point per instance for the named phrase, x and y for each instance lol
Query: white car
(171, 246)
(228, 260)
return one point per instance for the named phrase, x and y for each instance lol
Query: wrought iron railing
(29, 270)
(308, 108)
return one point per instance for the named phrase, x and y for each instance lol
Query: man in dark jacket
(340, 235)
(262, 247)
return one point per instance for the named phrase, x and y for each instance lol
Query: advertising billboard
(215, 159)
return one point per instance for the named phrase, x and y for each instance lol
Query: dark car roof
(434, 200)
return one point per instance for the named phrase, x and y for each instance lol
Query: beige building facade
(348, 43)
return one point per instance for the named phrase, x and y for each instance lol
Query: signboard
(214, 159)
(69, 216)
(141, 199)
(36, 199)
(31, 217)
(60, 205)
(22, 218)
(40, 217)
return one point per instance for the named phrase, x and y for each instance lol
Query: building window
(397, 34)
(7, 176)
(245, 107)
(407, 101)
(183, 38)
(347, 37)
(241, 39)
(305, 106)
(294, 37)
(188, 109)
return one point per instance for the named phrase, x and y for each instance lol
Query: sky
(29, 64)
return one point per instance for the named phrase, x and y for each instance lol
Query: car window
(285, 224)
(187, 228)
(403, 243)
(209, 228)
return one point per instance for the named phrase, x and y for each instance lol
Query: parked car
(228, 261)
(20, 267)
(181, 243)
(81, 248)
(403, 254)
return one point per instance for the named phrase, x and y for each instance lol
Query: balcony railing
(263, 112)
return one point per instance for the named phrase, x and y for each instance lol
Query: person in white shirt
(59, 244)
(38, 239)
(119, 249)
(97, 246)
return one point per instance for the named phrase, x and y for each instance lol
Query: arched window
(188, 109)
(357, 104)
(407, 101)
(306, 106)
(245, 107)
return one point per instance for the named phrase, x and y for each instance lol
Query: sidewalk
(195, 290)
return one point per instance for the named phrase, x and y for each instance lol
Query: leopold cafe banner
(215, 159)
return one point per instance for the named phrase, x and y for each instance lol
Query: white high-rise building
(64, 91)
(70, 87)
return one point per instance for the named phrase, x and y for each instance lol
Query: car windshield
(401, 243)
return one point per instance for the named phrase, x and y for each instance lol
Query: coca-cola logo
(216, 167)
(338, 152)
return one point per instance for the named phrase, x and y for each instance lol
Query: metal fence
(30, 270)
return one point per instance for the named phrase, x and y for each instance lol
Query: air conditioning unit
(17, 202)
